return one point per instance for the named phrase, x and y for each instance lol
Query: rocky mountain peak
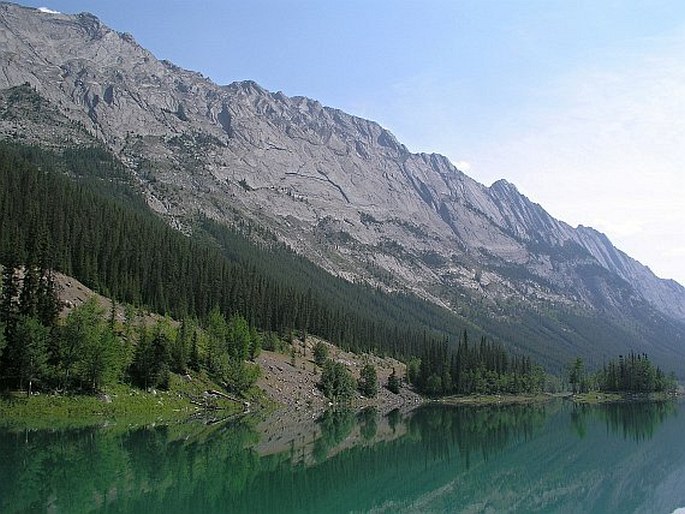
(504, 187)
(340, 189)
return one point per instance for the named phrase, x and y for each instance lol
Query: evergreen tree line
(484, 368)
(338, 384)
(88, 350)
(354, 316)
(128, 253)
(98, 231)
(633, 373)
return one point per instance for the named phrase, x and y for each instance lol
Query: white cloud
(48, 11)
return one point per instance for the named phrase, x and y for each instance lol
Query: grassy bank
(496, 399)
(594, 398)
(118, 404)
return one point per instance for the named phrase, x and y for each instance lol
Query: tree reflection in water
(436, 458)
(631, 420)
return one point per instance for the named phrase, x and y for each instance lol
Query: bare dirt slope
(293, 383)
(290, 382)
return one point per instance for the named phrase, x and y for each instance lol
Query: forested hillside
(337, 189)
(116, 246)
(97, 229)
(79, 211)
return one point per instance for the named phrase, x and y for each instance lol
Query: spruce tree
(394, 382)
(9, 308)
(30, 354)
(337, 383)
(47, 302)
(28, 297)
(368, 381)
(320, 353)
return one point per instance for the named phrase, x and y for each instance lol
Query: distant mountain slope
(339, 189)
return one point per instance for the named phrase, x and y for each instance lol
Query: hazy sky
(581, 104)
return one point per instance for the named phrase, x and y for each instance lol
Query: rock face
(337, 188)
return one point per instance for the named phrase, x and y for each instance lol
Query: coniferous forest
(633, 373)
(90, 348)
(482, 368)
(133, 256)
(77, 212)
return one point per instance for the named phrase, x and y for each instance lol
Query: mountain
(338, 189)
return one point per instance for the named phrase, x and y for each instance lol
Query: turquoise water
(548, 458)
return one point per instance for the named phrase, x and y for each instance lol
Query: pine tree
(150, 366)
(368, 381)
(320, 353)
(337, 383)
(194, 361)
(30, 355)
(47, 302)
(9, 307)
(577, 375)
(179, 352)
(28, 297)
(394, 382)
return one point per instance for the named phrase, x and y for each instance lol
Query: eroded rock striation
(337, 188)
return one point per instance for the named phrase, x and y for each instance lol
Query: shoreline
(286, 390)
(116, 405)
(598, 398)
(480, 400)
(128, 407)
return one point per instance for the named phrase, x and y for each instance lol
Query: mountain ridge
(337, 188)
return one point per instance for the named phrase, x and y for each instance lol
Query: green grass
(496, 399)
(122, 405)
(594, 398)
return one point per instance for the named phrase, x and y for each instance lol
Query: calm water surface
(551, 458)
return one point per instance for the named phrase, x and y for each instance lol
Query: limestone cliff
(337, 188)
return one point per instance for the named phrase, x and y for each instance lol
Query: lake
(555, 457)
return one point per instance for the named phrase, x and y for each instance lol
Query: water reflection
(368, 423)
(335, 426)
(469, 430)
(95, 469)
(631, 420)
(437, 459)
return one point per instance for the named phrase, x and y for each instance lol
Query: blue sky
(581, 104)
